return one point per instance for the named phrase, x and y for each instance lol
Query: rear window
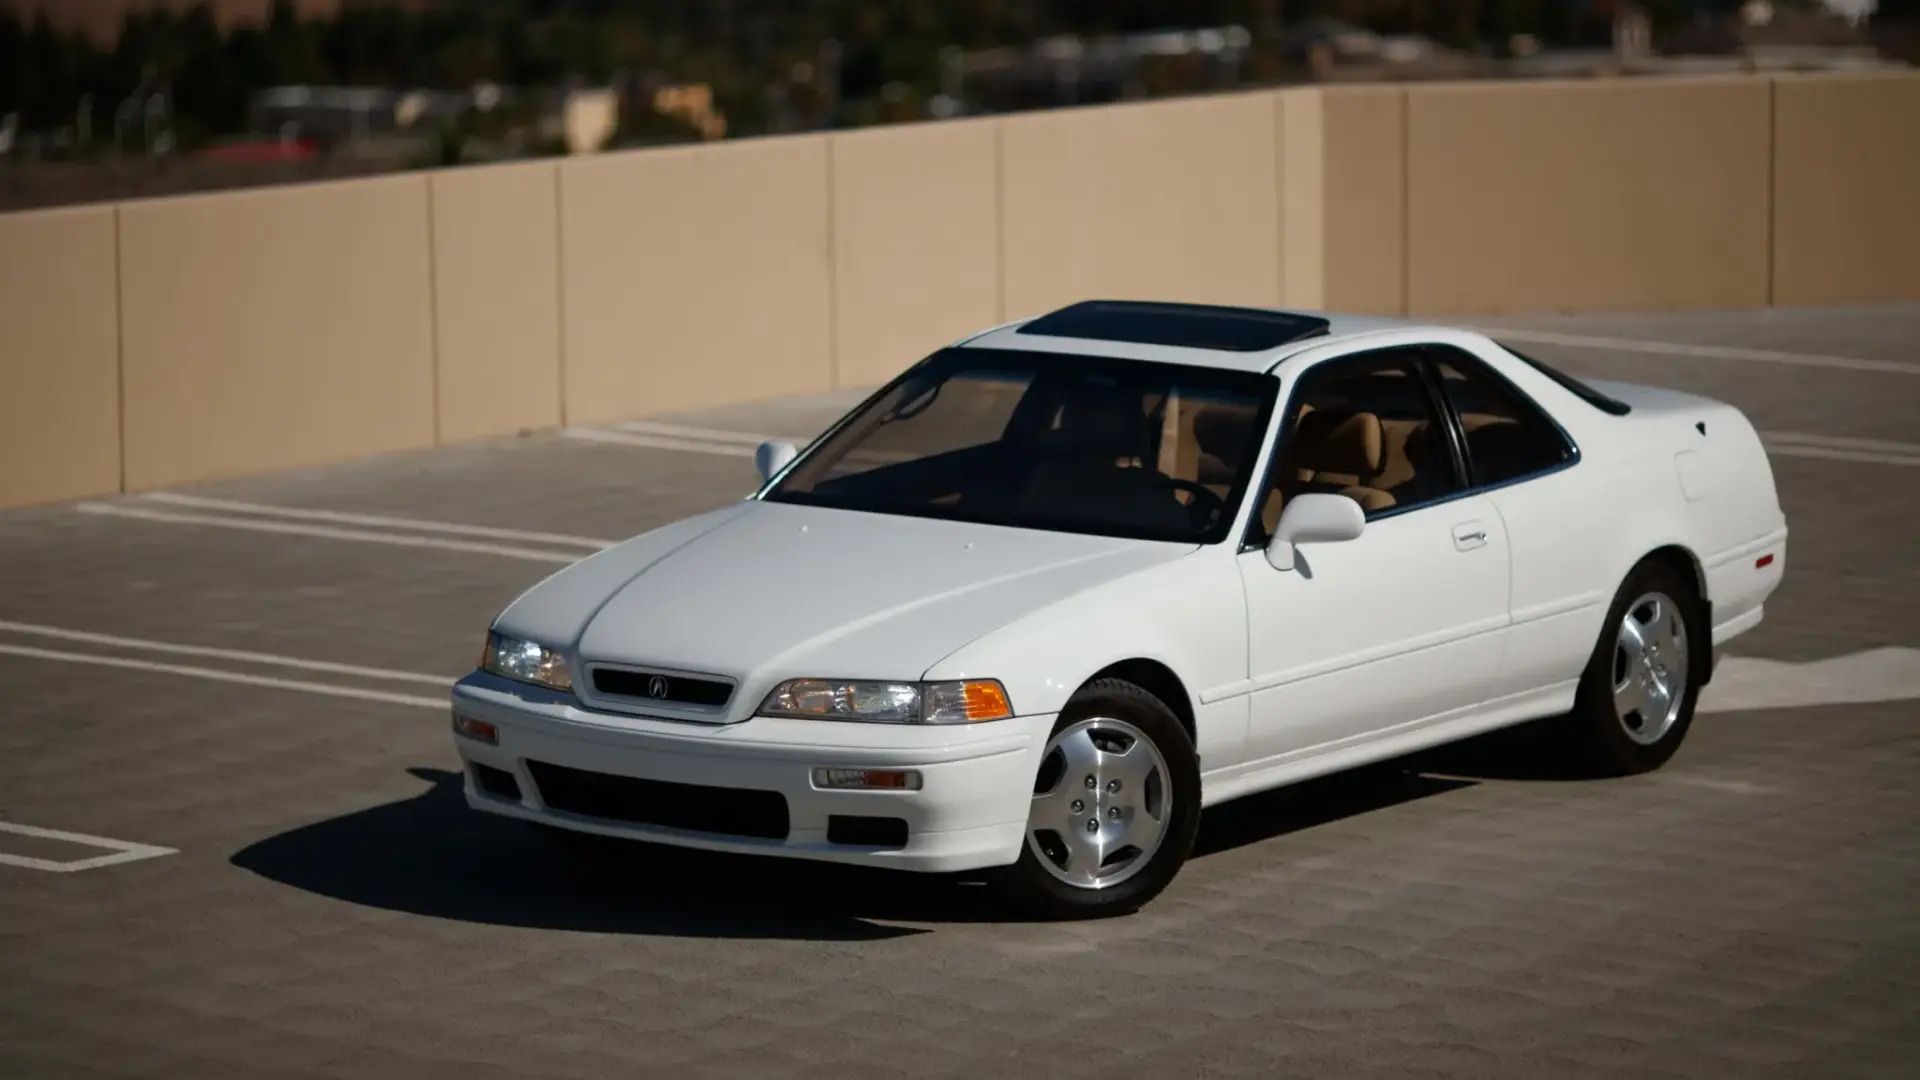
(1573, 386)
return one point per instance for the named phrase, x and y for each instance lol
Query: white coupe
(1056, 588)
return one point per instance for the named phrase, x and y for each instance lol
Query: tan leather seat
(1221, 433)
(1343, 453)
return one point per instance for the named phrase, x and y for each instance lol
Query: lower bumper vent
(498, 783)
(694, 807)
(859, 831)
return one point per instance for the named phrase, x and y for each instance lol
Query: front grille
(662, 686)
(694, 807)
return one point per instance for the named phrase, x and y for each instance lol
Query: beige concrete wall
(275, 328)
(1640, 194)
(1342, 168)
(694, 276)
(1301, 171)
(1174, 200)
(1846, 211)
(59, 364)
(916, 243)
(170, 340)
(1365, 155)
(496, 299)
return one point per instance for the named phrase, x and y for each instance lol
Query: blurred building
(1330, 50)
(101, 19)
(1076, 70)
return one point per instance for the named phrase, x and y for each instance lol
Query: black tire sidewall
(1037, 892)
(1607, 744)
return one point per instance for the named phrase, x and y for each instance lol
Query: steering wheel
(1205, 505)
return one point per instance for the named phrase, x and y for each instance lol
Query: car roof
(1206, 335)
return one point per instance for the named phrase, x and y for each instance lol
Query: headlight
(964, 702)
(526, 661)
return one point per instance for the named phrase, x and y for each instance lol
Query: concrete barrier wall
(694, 277)
(274, 328)
(916, 243)
(1846, 189)
(496, 299)
(165, 341)
(59, 362)
(1174, 200)
(1343, 198)
(1642, 194)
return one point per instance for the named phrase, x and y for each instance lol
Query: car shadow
(432, 855)
(1267, 815)
(1535, 750)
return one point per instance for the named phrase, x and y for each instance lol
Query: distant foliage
(771, 63)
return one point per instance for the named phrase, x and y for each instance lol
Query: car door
(1407, 621)
(1522, 459)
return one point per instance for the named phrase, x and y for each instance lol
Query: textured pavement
(334, 910)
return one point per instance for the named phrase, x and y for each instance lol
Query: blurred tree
(770, 63)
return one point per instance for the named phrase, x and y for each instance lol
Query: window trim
(1253, 538)
(1415, 360)
(1572, 384)
(1434, 354)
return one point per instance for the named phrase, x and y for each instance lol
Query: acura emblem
(657, 686)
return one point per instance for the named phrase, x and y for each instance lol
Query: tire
(1621, 723)
(1147, 789)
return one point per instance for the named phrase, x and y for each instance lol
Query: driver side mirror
(1313, 519)
(772, 456)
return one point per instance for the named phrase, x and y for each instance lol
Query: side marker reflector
(477, 730)
(867, 779)
(1763, 562)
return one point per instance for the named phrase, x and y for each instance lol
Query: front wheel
(1116, 803)
(1637, 695)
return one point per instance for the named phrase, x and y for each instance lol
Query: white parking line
(383, 520)
(1889, 673)
(650, 427)
(1842, 455)
(1705, 352)
(1834, 448)
(660, 442)
(122, 851)
(244, 656)
(328, 532)
(1836, 442)
(222, 675)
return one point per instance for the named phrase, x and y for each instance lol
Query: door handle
(1469, 535)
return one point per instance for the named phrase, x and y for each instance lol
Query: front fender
(1189, 614)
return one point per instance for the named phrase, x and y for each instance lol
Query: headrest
(1105, 423)
(1223, 431)
(1337, 442)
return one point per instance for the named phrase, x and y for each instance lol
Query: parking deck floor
(232, 840)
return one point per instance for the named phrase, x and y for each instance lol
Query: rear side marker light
(1763, 562)
(477, 730)
(866, 779)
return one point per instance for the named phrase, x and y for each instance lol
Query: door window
(1365, 427)
(1507, 436)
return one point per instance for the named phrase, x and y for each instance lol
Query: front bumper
(970, 812)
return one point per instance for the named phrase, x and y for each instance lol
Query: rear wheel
(1116, 803)
(1636, 698)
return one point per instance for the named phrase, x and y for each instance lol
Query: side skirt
(1249, 777)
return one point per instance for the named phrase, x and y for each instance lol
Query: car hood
(760, 592)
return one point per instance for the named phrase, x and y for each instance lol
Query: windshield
(1047, 441)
